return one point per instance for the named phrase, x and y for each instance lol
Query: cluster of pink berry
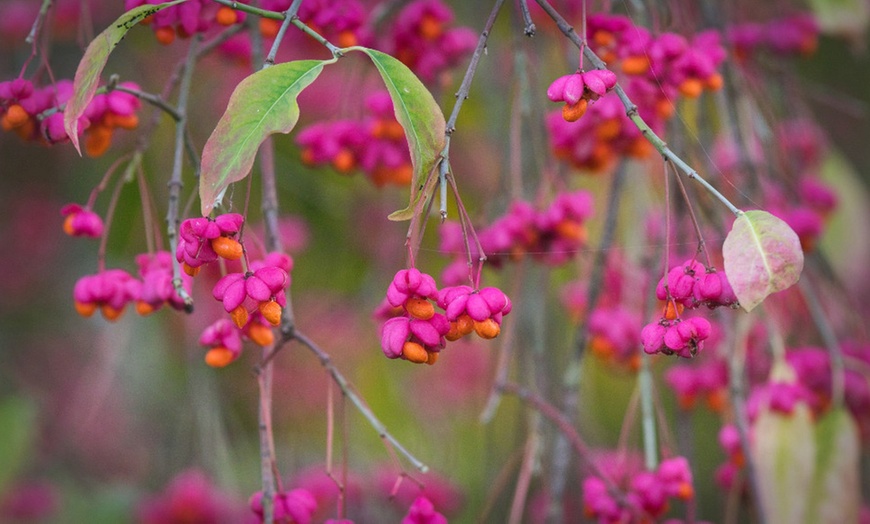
(295, 505)
(596, 142)
(577, 89)
(343, 22)
(552, 235)
(424, 41)
(729, 441)
(614, 333)
(255, 300)
(669, 63)
(416, 332)
(647, 493)
(375, 145)
(111, 290)
(707, 380)
(656, 71)
(689, 285)
(189, 497)
(34, 114)
(186, 19)
(796, 34)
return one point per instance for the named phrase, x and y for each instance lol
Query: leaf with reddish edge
(762, 256)
(262, 104)
(420, 117)
(94, 60)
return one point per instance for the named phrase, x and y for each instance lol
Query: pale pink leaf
(762, 256)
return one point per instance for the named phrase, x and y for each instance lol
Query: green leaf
(92, 64)
(784, 453)
(18, 420)
(844, 18)
(835, 495)
(420, 117)
(762, 256)
(261, 105)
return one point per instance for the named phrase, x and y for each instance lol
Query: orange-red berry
(97, 140)
(269, 28)
(219, 357)
(635, 65)
(691, 88)
(420, 308)
(226, 16)
(260, 334)
(239, 316)
(111, 314)
(572, 113)
(271, 311)
(346, 38)
(15, 117)
(226, 247)
(165, 35)
(191, 271)
(85, 309)
(144, 308)
(487, 329)
(415, 352)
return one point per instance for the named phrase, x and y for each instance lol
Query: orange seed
(239, 316)
(226, 247)
(415, 352)
(487, 329)
(420, 308)
(271, 311)
(218, 357)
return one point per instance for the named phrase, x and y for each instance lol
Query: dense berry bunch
(416, 332)
(578, 89)
(615, 335)
(656, 70)
(157, 289)
(423, 39)
(109, 291)
(375, 145)
(343, 22)
(552, 235)
(422, 511)
(707, 381)
(35, 113)
(189, 497)
(692, 285)
(203, 240)
(682, 336)
(296, 505)
(795, 34)
(187, 19)
(647, 492)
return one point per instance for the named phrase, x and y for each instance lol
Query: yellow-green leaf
(261, 105)
(94, 60)
(420, 117)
